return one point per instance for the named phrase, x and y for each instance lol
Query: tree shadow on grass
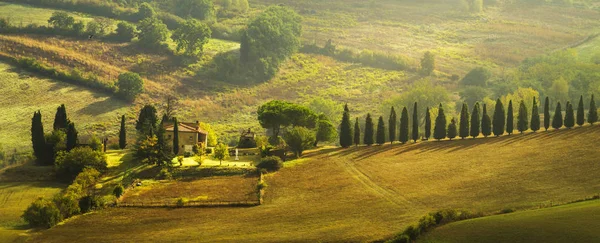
(103, 106)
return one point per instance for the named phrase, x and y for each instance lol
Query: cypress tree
(392, 125)
(404, 126)
(356, 133)
(380, 131)
(464, 122)
(569, 116)
(452, 129)
(175, 136)
(547, 113)
(346, 129)
(164, 149)
(439, 131)
(475, 121)
(486, 123)
(71, 136)
(368, 139)
(122, 134)
(147, 120)
(60, 119)
(522, 119)
(38, 140)
(415, 125)
(510, 119)
(557, 121)
(593, 113)
(499, 119)
(580, 112)
(535, 116)
(427, 124)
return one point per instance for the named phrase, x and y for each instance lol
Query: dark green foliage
(593, 113)
(366, 57)
(464, 121)
(535, 117)
(380, 131)
(130, 85)
(199, 9)
(165, 150)
(275, 114)
(452, 129)
(356, 133)
(270, 163)
(61, 20)
(60, 119)
(42, 213)
(547, 113)
(439, 131)
(38, 139)
(175, 136)
(146, 120)
(191, 37)
(299, 139)
(118, 191)
(479, 76)
(427, 124)
(404, 126)
(368, 137)
(522, 119)
(557, 120)
(427, 64)
(486, 123)
(569, 116)
(510, 119)
(71, 136)
(122, 134)
(346, 129)
(55, 143)
(392, 125)
(415, 123)
(67, 204)
(87, 203)
(152, 33)
(145, 10)
(475, 121)
(580, 112)
(125, 32)
(70, 164)
(499, 120)
(326, 131)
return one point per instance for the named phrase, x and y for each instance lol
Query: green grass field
(371, 193)
(576, 222)
(23, 15)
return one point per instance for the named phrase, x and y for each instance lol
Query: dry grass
(369, 193)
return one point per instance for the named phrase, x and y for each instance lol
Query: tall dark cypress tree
(37, 137)
(593, 113)
(547, 113)
(522, 118)
(427, 124)
(164, 149)
(415, 124)
(147, 120)
(452, 129)
(464, 121)
(404, 126)
(499, 119)
(475, 121)
(486, 123)
(439, 131)
(175, 136)
(535, 116)
(557, 121)
(380, 131)
(71, 136)
(510, 119)
(580, 112)
(569, 116)
(346, 129)
(392, 125)
(356, 133)
(60, 119)
(368, 139)
(122, 134)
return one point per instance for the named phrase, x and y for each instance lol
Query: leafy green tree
(199, 9)
(93, 28)
(212, 135)
(593, 113)
(486, 123)
(71, 136)
(510, 127)
(452, 129)
(415, 126)
(368, 137)
(478, 76)
(404, 126)
(175, 136)
(356, 133)
(70, 164)
(61, 20)
(146, 119)
(522, 119)
(118, 191)
(55, 143)
(535, 117)
(42, 213)
(464, 121)
(122, 134)
(191, 37)
(60, 119)
(326, 131)
(569, 116)
(427, 124)
(38, 138)
(557, 120)
(346, 129)
(326, 106)
(499, 119)
(392, 125)
(67, 204)
(380, 131)
(153, 32)
(427, 64)
(145, 11)
(471, 94)
(221, 152)
(275, 114)
(299, 139)
(130, 85)
(439, 131)
(580, 112)
(475, 121)
(125, 31)
(547, 113)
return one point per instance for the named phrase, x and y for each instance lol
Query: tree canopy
(191, 37)
(275, 114)
(130, 85)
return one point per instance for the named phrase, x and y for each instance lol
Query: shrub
(70, 164)
(300, 139)
(181, 202)
(125, 31)
(118, 191)
(165, 174)
(87, 203)
(42, 213)
(67, 204)
(271, 163)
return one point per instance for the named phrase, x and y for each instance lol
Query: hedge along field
(372, 193)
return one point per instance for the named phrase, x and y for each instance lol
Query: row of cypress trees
(474, 124)
(43, 144)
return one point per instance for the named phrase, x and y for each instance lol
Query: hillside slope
(370, 193)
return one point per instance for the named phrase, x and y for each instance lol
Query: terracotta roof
(185, 127)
